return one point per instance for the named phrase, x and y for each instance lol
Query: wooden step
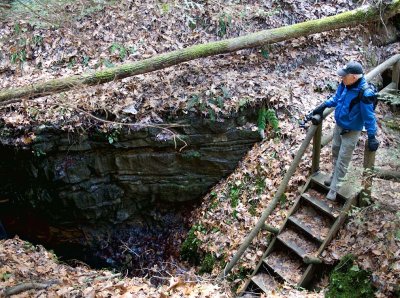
(305, 229)
(320, 202)
(347, 190)
(298, 242)
(319, 179)
(286, 265)
(264, 281)
(316, 223)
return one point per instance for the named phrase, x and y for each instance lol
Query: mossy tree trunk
(361, 15)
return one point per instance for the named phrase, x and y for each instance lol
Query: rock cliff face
(110, 177)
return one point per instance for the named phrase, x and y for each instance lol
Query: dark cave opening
(149, 245)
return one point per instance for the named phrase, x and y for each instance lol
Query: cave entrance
(148, 245)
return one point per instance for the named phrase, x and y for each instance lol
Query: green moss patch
(190, 247)
(347, 280)
(191, 252)
(207, 264)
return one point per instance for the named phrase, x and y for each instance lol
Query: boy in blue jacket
(354, 103)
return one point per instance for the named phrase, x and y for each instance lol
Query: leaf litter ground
(291, 77)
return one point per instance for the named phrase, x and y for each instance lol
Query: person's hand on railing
(314, 118)
(373, 143)
(317, 119)
(319, 110)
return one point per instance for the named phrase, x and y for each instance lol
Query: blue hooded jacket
(353, 116)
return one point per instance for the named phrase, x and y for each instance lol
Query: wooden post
(369, 162)
(316, 149)
(396, 74)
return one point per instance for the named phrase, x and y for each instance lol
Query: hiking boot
(331, 195)
(328, 181)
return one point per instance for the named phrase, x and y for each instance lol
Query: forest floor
(291, 77)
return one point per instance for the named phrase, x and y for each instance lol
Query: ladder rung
(299, 242)
(304, 228)
(321, 205)
(347, 190)
(293, 246)
(280, 274)
(286, 265)
(264, 281)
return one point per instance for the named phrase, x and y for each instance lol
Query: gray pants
(342, 151)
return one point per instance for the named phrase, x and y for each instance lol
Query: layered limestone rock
(95, 176)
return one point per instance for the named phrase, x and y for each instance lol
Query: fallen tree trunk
(387, 174)
(358, 16)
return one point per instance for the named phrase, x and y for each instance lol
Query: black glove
(373, 143)
(316, 119)
(319, 110)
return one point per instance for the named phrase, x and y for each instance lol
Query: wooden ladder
(293, 254)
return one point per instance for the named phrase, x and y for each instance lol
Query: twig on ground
(107, 277)
(28, 286)
(127, 248)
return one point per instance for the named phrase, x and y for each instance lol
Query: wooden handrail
(326, 139)
(260, 223)
(382, 67)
